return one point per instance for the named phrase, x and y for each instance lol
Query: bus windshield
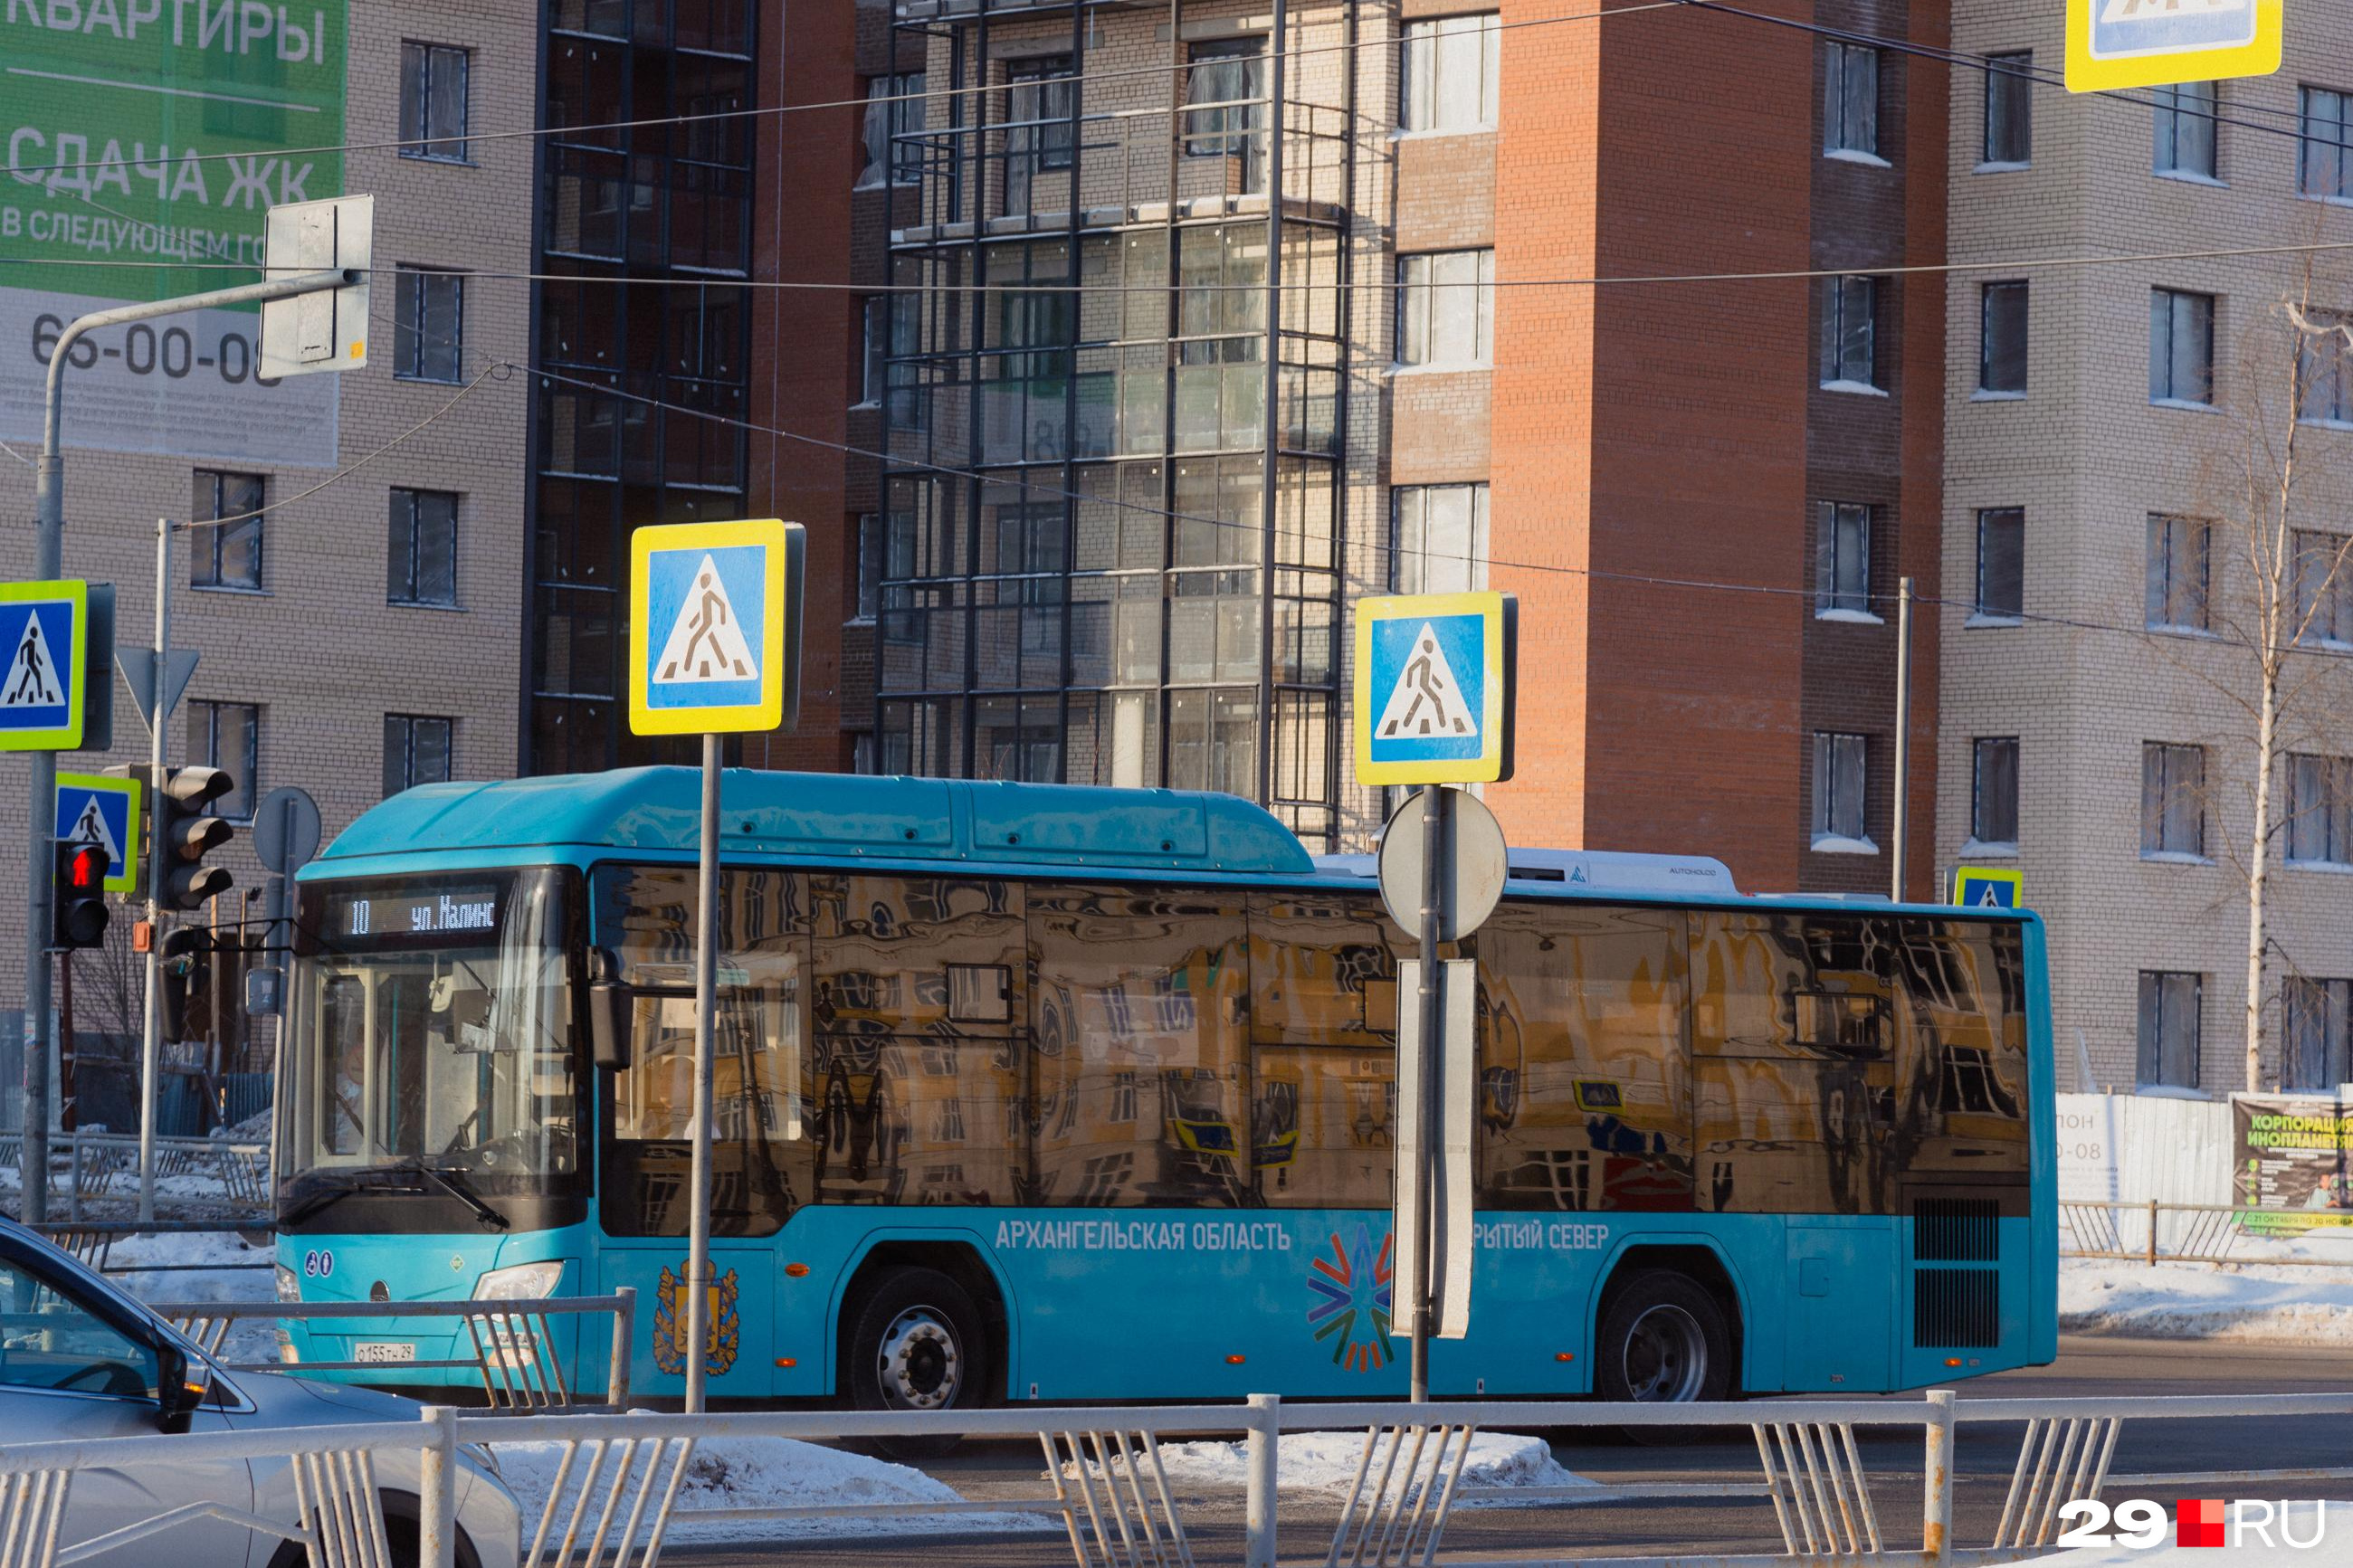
(433, 1037)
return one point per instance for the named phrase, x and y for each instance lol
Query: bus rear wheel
(915, 1343)
(1663, 1341)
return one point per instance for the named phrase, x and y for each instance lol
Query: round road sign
(286, 829)
(1474, 865)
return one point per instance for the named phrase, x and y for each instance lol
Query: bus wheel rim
(1665, 1357)
(921, 1363)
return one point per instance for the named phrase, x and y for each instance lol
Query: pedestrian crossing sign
(715, 626)
(2113, 44)
(41, 689)
(1976, 888)
(105, 811)
(1433, 690)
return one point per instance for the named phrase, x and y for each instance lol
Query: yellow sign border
(1965, 875)
(1494, 743)
(65, 737)
(2088, 73)
(132, 861)
(769, 713)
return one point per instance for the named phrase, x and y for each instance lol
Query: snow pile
(2249, 1549)
(2253, 1302)
(250, 1339)
(755, 1473)
(1328, 1462)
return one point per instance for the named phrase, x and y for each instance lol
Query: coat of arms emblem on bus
(669, 1325)
(1351, 1300)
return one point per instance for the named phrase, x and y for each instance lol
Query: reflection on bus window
(918, 955)
(1323, 1017)
(1585, 1087)
(1139, 1049)
(916, 1122)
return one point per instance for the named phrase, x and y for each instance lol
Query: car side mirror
(175, 1400)
(610, 1006)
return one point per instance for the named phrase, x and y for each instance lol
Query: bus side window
(1323, 1001)
(1139, 1049)
(1585, 1077)
(1961, 1049)
(1794, 1085)
(922, 1002)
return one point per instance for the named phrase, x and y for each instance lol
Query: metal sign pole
(1903, 734)
(151, 1033)
(706, 996)
(1435, 843)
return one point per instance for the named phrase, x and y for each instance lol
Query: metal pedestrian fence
(624, 1486)
(2151, 1233)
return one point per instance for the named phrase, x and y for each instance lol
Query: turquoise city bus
(1060, 1094)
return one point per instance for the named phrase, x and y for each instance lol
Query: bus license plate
(383, 1350)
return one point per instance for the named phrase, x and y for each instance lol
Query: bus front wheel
(1663, 1341)
(916, 1344)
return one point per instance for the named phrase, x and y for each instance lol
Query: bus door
(646, 921)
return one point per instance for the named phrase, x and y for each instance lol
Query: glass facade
(634, 360)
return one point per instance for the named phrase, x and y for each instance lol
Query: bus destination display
(413, 914)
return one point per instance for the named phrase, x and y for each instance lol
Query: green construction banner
(154, 131)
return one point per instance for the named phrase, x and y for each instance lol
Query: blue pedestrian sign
(104, 811)
(715, 627)
(2113, 44)
(1981, 887)
(1433, 689)
(41, 639)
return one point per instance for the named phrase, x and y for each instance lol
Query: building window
(428, 325)
(907, 401)
(875, 358)
(2186, 130)
(1445, 309)
(868, 600)
(2178, 582)
(1040, 100)
(2001, 339)
(433, 102)
(226, 554)
(2002, 563)
(2324, 590)
(228, 735)
(1839, 768)
(415, 752)
(1842, 559)
(1441, 539)
(2009, 110)
(422, 551)
(2172, 800)
(1993, 812)
(862, 757)
(2320, 810)
(894, 109)
(2315, 1013)
(2180, 347)
(2169, 1027)
(1228, 77)
(1449, 73)
(2325, 150)
(1849, 351)
(2326, 371)
(1851, 99)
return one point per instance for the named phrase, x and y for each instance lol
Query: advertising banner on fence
(141, 131)
(2293, 1154)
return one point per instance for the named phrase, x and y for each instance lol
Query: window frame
(412, 527)
(1982, 613)
(1471, 568)
(2008, 73)
(1990, 295)
(2164, 327)
(2328, 627)
(408, 725)
(2164, 580)
(2334, 1015)
(409, 307)
(2330, 816)
(1229, 127)
(1838, 99)
(1982, 750)
(425, 145)
(209, 541)
(2150, 1031)
(1418, 315)
(2339, 146)
(1842, 754)
(238, 804)
(2168, 115)
(1836, 596)
(2162, 788)
(1424, 39)
(1842, 297)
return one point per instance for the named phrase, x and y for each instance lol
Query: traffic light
(78, 902)
(188, 833)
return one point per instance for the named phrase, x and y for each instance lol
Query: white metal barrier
(106, 1164)
(620, 1476)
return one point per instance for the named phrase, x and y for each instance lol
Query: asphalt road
(1986, 1454)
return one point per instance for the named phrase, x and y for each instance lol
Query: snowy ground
(2249, 1551)
(762, 1473)
(250, 1339)
(2252, 1302)
(1328, 1462)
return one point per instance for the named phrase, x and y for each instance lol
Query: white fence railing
(99, 1165)
(617, 1497)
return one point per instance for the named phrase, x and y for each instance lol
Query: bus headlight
(522, 1282)
(289, 1284)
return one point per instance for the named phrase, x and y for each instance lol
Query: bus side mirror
(609, 1010)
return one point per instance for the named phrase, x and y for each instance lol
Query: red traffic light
(86, 868)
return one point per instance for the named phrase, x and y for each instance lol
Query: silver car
(79, 1358)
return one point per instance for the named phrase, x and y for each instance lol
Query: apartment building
(1077, 561)
(350, 580)
(2107, 426)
